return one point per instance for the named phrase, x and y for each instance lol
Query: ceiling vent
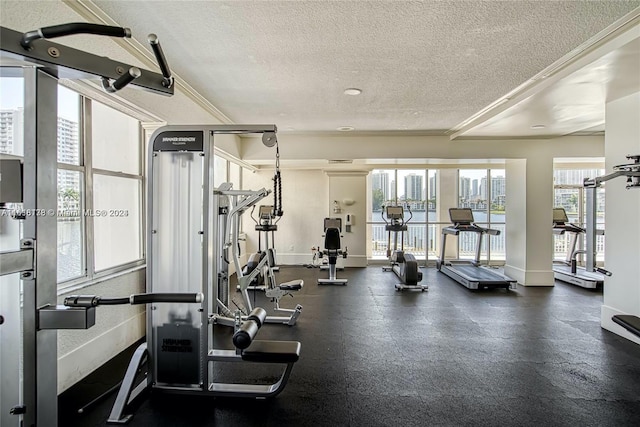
(340, 162)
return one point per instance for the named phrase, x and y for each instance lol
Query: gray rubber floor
(372, 356)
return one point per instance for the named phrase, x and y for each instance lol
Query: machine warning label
(172, 345)
(179, 141)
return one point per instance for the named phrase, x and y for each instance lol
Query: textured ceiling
(421, 65)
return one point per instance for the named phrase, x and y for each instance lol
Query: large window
(415, 189)
(71, 192)
(482, 190)
(569, 194)
(117, 187)
(100, 195)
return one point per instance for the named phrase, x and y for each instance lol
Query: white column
(349, 189)
(529, 204)
(622, 234)
(447, 198)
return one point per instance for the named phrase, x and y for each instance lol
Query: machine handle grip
(603, 271)
(124, 80)
(73, 28)
(94, 300)
(161, 59)
(165, 297)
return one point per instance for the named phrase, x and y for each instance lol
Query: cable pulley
(277, 187)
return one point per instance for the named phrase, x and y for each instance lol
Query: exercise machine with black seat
(230, 205)
(187, 222)
(404, 265)
(470, 273)
(332, 250)
(568, 270)
(29, 354)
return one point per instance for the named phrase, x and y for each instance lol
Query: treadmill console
(560, 216)
(561, 223)
(461, 216)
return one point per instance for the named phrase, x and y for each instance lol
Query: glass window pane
(12, 115)
(382, 193)
(220, 171)
(117, 219)
(116, 140)
(498, 215)
(70, 226)
(473, 193)
(68, 126)
(434, 231)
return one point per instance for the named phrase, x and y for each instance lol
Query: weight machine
(33, 322)
(629, 170)
(188, 250)
(230, 205)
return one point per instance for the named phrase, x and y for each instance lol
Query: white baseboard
(74, 366)
(530, 277)
(606, 313)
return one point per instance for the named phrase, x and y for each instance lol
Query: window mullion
(142, 200)
(88, 200)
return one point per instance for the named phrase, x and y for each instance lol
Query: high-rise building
(413, 187)
(68, 152)
(465, 188)
(380, 181)
(474, 188)
(11, 131)
(498, 188)
(392, 192)
(432, 187)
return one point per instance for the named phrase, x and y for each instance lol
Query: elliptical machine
(267, 226)
(403, 265)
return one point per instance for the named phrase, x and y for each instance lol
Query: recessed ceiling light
(345, 128)
(353, 91)
(538, 126)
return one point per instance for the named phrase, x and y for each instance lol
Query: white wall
(350, 185)
(304, 202)
(622, 237)
(385, 150)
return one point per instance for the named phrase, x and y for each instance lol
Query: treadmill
(568, 270)
(469, 272)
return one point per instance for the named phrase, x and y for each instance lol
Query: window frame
(87, 199)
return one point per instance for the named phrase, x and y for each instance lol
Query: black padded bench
(293, 285)
(272, 352)
(629, 322)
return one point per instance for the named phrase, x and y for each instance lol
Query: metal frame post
(592, 202)
(40, 287)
